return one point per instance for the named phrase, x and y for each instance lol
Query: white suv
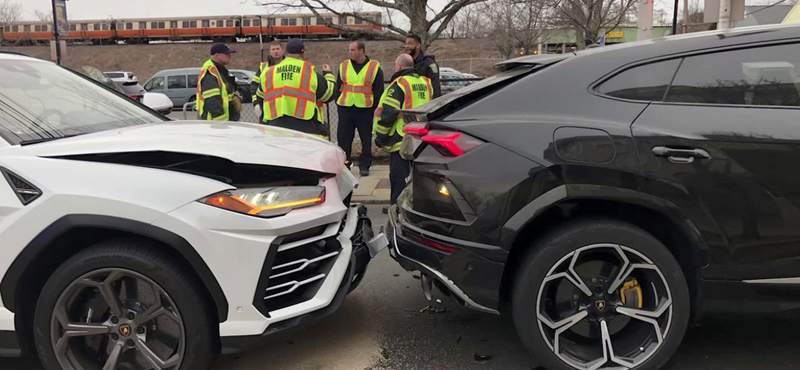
(131, 242)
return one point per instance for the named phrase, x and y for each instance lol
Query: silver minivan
(180, 85)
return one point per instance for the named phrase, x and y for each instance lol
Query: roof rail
(13, 53)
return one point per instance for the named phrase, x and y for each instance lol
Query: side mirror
(157, 102)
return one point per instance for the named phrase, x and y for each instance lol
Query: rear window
(646, 83)
(115, 75)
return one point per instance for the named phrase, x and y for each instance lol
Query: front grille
(293, 274)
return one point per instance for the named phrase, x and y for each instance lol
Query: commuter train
(224, 28)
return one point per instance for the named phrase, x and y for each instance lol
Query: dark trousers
(399, 169)
(350, 120)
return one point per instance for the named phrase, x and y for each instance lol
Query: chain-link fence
(248, 114)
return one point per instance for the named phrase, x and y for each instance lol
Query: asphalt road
(380, 328)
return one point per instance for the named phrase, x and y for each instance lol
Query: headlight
(269, 202)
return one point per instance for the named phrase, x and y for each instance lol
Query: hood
(238, 142)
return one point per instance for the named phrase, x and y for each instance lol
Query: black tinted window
(193, 80)
(176, 82)
(648, 82)
(758, 76)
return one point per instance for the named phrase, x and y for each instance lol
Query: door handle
(680, 155)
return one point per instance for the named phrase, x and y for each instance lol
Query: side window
(157, 83)
(193, 81)
(229, 23)
(757, 76)
(176, 82)
(646, 83)
(206, 23)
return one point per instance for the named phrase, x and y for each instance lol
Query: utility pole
(56, 32)
(685, 16)
(724, 15)
(646, 20)
(675, 19)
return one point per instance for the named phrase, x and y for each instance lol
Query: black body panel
(551, 138)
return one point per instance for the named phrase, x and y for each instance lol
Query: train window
(306, 21)
(246, 23)
(14, 28)
(142, 25)
(293, 21)
(193, 81)
(173, 25)
(359, 21)
(256, 22)
(185, 24)
(129, 26)
(105, 27)
(220, 24)
(229, 23)
(343, 20)
(193, 24)
(328, 20)
(120, 26)
(284, 22)
(271, 22)
(85, 26)
(206, 23)
(28, 28)
(73, 27)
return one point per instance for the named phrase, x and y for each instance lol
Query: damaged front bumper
(359, 245)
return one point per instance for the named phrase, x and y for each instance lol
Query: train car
(226, 28)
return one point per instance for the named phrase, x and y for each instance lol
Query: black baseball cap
(221, 48)
(295, 46)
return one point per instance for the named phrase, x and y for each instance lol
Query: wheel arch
(566, 203)
(69, 235)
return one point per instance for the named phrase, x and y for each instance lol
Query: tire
(589, 245)
(138, 270)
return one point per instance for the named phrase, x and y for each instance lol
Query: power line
(764, 8)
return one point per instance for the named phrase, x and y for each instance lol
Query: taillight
(451, 143)
(418, 129)
(135, 97)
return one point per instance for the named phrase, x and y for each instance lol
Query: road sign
(61, 17)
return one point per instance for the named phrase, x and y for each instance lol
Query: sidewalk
(373, 189)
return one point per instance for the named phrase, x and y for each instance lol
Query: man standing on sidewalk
(359, 85)
(407, 91)
(275, 56)
(425, 65)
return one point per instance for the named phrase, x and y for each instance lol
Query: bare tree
(10, 12)
(518, 24)
(43, 16)
(591, 17)
(417, 12)
(470, 22)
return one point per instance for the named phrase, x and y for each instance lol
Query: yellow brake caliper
(631, 294)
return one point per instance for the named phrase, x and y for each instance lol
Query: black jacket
(377, 85)
(426, 66)
(213, 105)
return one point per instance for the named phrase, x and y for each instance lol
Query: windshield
(40, 101)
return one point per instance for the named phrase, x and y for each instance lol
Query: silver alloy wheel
(117, 319)
(581, 313)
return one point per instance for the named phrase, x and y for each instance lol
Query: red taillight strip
(447, 142)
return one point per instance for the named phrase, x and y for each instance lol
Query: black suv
(608, 198)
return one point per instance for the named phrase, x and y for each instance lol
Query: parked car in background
(608, 198)
(452, 80)
(155, 101)
(122, 76)
(244, 79)
(130, 241)
(180, 85)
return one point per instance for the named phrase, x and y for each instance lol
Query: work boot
(364, 173)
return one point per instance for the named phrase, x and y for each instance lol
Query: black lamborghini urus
(608, 198)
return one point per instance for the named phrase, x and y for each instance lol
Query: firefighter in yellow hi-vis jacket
(290, 91)
(407, 91)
